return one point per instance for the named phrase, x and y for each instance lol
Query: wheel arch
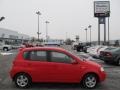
(93, 73)
(21, 73)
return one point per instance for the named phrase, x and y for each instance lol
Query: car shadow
(56, 86)
(62, 86)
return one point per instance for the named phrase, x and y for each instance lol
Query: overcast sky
(67, 17)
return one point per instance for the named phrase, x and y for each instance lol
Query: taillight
(101, 52)
(108, 54)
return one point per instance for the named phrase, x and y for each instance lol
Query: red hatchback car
(51, 64)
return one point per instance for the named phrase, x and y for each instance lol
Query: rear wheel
(106, 62)
(90, 81)
(118, 62)
(22, 80)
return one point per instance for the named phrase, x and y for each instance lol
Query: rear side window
(35, 55)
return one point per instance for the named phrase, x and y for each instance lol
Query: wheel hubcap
(5, 49)
(118, 62)
(90, 81)
(22, 81)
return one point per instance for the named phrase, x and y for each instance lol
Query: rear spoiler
(20, 49)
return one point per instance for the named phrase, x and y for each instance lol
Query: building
(53, 42)
(11, 36)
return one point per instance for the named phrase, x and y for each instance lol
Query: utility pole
(108, 31)
(86, 34)
(66, 35)
(90, 32)
(47, 22)
(38, 13)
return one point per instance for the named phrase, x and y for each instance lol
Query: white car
(5, 47)
(93, 51)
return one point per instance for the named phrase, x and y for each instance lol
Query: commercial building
(13, 37)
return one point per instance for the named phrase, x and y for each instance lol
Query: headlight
(102, 69)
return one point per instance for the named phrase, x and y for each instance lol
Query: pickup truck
(5, 47)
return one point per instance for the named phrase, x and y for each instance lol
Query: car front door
(62, 68)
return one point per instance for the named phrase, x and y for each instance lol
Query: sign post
(101, 11)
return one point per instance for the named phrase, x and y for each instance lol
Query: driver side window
(60, 57)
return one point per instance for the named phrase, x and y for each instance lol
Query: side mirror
(74, 62)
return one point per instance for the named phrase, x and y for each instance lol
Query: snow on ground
(5, 53)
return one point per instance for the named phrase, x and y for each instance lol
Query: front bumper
(102, 76)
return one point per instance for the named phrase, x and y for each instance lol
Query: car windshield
(110, 48)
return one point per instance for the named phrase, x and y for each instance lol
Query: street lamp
(90, 32)
(2, 18)
(47, 29)
(86, 34)
(38, 13)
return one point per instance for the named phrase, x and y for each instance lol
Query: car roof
(43, 48)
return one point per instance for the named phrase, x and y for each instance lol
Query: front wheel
(22, 81)
(90, 81)
(5, 49)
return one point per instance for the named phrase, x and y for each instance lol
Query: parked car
(112, 56)
(74, 45)
(16, 46)
(52, 64)
(95, 51)
(5, 47)
(81, 47)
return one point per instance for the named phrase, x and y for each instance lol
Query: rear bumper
(110, 59)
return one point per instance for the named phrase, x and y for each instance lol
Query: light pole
(90, 32)
(86, 34)
(2, 18)
(38, 13)
(108, 31)
(47, 22)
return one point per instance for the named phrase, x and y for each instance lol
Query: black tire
(88, 84)
(118, 62)
(26, 80)
(106, 62)
(5, 49)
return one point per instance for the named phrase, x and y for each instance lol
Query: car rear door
(38, 65)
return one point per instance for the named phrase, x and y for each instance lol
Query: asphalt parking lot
(111, 83)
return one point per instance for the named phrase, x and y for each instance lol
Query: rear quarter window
(26, 55)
